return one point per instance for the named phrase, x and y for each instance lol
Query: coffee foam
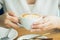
(30, 15)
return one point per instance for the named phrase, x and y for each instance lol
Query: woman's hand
(9, 20)
(47, 24)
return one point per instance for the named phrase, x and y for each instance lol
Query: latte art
(30, 15)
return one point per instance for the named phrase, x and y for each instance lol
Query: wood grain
(22, 31)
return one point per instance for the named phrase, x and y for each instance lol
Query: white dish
(28, 36)
(13, 34)
(4, 31)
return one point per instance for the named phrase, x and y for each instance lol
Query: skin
(9, 21)
(46, 24)
(37, 26)
(31, 1)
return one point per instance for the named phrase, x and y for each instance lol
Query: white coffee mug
(28, 20)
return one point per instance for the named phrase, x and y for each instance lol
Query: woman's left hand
(42, 26)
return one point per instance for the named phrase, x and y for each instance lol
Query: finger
(13, 19)
(11, 24)
(36, 23)
(47, 24)
(7, 23)
(37, 26)
(11, 13)
(49, 27)
(39, 22)
(41, 26)
(8, 26)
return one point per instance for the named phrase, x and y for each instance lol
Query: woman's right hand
(9, 20)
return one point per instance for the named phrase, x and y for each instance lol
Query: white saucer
(13, 34)
(28, 36)
(4, 31)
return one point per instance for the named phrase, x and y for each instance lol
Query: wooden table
(22, 31)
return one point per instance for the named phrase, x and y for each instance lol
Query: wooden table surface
(22, 31)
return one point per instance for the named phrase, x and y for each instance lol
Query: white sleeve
(0, 0)
(59, 7)
(0, 4)
(59, 3)
(14, 6)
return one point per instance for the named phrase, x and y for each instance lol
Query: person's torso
(46, 7)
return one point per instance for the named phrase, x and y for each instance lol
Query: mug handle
(20, 25)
